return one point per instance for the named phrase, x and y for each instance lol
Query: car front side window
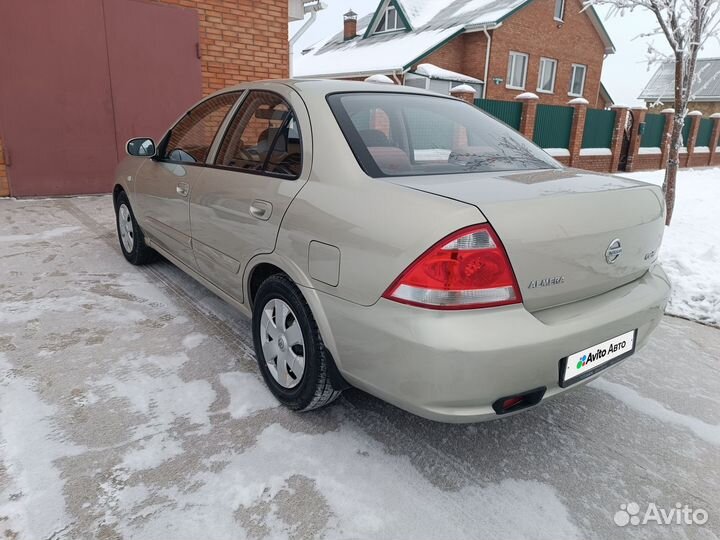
(263, 137)
(190, 139)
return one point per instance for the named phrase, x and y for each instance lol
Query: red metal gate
(73, 93)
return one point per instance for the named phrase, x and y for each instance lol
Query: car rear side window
(190, 139)
(399, 134)
(263, 137)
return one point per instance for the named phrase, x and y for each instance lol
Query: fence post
(578, 128)
(464, 92)
(529, 112)
(667, 133)
(618, 135)
(635, 137)
(715, 139)
(695, 117)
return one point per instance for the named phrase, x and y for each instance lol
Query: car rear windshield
(397, 134)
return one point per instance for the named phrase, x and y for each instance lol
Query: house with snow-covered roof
(705, 92)
(553, 48)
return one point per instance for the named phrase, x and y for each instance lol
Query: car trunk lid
(569, 234)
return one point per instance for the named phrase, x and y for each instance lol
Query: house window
(577, 80)
(390, 21)
(546, 78)
(559, 10)
(517, 71)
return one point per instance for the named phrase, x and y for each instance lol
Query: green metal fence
(686, 130)
(552, 126)
(507, 111)
(654, 129)
(599, 125)
(704, 132)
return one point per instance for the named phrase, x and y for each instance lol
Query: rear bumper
(451, 366)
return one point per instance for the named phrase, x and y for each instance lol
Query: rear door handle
(183, 188)
(261, 209)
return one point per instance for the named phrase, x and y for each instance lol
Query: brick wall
(240, 40)
(450, 56)
(533, 31)
(4, 187)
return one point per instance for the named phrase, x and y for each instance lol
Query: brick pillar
(4, 184)
(633, 150)
(464, 92)
(714, 140)
(618, 136)
(667, 133)
(578, 128)
(529, 112)
(695, 117)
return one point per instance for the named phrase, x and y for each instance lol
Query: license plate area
(585, 363)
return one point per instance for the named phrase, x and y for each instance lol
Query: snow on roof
(434, 72)
(382, 53)
(705, 88)
(432, 23)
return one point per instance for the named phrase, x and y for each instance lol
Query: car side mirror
(140, 147)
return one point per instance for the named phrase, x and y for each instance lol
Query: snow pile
(690, 252)
(378, 78)
(434, 72)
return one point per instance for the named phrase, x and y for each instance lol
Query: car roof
(330, 86)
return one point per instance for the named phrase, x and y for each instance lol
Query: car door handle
(183, 189)
(261, 209)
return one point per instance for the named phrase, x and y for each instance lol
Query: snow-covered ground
(131, 407)
(690, 252)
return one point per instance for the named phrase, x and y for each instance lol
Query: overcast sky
(624, 73)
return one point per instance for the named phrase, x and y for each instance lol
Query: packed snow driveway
(131, 407)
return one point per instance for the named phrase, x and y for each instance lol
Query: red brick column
(639, 114)
(4, 184)
(529, 112)
(618, 135)
(714, 139)
(577, 129)
(695, 117)
(464, 92)
(667, 133)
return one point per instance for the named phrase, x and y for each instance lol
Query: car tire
(313, 387)
(132, 240)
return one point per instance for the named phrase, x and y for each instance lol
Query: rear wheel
(289, 348)
(132, 240)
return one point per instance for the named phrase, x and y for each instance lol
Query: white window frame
(511, 69)
(572, 80)
(543, 62)
(560, 3)
(385, 18)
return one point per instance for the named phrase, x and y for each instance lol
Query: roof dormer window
(390, 21)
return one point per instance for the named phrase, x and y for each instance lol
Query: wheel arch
(263, 266)
(116, 191)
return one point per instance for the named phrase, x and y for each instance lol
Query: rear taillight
(468, 269)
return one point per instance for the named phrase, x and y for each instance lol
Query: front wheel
(288, 346)
(132, 240)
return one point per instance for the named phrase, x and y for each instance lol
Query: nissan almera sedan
(398, 241)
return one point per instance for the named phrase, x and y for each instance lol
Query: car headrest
(374, 137)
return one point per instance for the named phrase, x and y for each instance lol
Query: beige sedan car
(398, 241)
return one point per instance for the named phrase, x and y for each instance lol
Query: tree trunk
(671, 170)
(673, 162)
